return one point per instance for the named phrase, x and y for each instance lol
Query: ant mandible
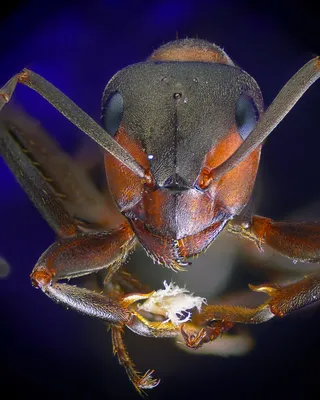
(188, 95)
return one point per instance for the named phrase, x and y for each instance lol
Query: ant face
(179, 120)
(179, 112)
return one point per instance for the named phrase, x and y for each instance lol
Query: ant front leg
(217, 319)
(80, 255)
(297, 240)
(140, 382)
(83, 254)
(79, 250)
(300, 241)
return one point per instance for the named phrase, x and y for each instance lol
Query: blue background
(46, 351)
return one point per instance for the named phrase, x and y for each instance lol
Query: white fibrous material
(173, 303)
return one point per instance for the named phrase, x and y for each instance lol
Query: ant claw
(147, 382)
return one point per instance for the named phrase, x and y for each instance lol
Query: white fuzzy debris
(173, 303)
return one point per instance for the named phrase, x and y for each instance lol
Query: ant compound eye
(247, 115)
(112, 113)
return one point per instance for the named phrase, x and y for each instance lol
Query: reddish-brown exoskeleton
(182, 134)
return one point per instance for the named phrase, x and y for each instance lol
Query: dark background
(46, 351)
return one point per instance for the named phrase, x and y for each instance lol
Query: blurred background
(47, 351)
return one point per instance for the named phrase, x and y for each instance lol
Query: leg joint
(41, 277)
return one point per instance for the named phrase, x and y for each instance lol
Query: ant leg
(84, 254)
(217, 319)
(73, 113)
(296, 240)
(140, 382)
(66, 178)
(237, 344)
(299, 241)
(128, 281)
(81, 255)
(37, 186)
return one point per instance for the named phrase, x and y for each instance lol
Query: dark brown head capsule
(180, 114)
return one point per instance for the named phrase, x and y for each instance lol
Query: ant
(182, 134)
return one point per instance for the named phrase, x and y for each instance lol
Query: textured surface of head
(181, 113)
